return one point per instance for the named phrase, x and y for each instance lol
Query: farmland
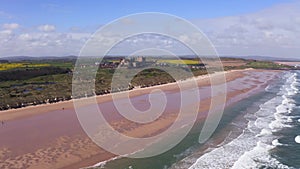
(8, 66)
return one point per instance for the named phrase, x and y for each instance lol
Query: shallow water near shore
(229, 128)
(271, 136)
(60, 137)
(261, 131)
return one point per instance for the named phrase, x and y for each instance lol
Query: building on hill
(133, 62)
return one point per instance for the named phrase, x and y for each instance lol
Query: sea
(259, 132)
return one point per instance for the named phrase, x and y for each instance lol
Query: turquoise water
(262, 131)
(271, 138)
(190, 144)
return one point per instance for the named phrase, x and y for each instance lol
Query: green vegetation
(8, 66)
(23, 74)
(34, 82)
(266, 65)
(62, 64)
(177, 61)
(37, 82)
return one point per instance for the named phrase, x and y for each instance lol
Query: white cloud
(274, 31)
(41, 43)
(25, 37)
(6, 32)
(5, 15)
(11, 26)
(148, 42)
(47, 28)
(5, 36)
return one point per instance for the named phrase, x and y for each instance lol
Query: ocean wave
(276, 142)
(264, 132)
(284, 104)
(282, 117)
(103, 163)
(258, 157)
(251, 148)
(226, 154)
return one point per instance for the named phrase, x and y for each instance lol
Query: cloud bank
(274, 32)
(271, 32)
(47, 28)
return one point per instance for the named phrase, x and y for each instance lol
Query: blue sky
(235, 27)
(66, 14)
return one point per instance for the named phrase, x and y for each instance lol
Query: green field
(7, 66)
(178, 61)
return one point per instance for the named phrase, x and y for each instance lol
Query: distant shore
(53, 130)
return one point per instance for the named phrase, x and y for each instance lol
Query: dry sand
(13, 114)
(48, 136)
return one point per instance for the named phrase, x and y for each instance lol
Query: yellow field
(7, 66)
(175, 61)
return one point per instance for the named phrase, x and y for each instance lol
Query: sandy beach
(13, 114)
(50, 136)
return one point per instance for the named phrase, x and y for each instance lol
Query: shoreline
(61, 138)
(235, 96)
(12, 114)
(218, 139)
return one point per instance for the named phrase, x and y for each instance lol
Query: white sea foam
(232, 152)
(292, 90)
(297, 139)
(264, 132)
(283, 110)
(258, 157)
(251, 149)
(268, 88)
(103, 163)
(261, 152)
(225, 156)
(276, 143)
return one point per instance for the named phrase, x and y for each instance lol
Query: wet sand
(50, 136)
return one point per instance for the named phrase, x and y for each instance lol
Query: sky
(60, 28)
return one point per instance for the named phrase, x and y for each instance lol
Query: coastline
(12, 114)
(70, 131)
(218, 140)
